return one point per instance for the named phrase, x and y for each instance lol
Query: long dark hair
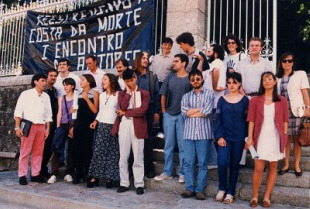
(113, 83)
(236, 39)
(261, 90)
(280, 70)
(90, 79)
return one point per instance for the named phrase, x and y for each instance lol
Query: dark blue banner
(108, 29)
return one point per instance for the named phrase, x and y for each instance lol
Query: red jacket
(256, 115)
(138, 114)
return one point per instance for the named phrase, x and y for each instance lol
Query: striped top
(198, 128)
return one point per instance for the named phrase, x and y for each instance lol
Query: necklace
(268, 98)
(107, 99)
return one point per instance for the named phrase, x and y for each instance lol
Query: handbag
(304, 132)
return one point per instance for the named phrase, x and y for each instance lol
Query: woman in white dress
(268, 122)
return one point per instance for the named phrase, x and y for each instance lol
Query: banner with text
(110, 30)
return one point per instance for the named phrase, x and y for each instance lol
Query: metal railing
(246, 19)
(12, 25)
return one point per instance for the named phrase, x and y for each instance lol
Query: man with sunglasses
(252, 67)
(196, 109)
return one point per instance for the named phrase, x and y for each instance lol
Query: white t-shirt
(207, 76)
(59, 86)
(231, 61)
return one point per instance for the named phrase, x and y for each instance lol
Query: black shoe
(78, 178)
(122, 189)
(109, 184)
(298, 174)
(23, 180)
(140, 190)
(187, 194)
(45, 175)
(282, 172)
(150, 174)
(38, 179)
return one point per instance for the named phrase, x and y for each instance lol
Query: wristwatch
(16, 128)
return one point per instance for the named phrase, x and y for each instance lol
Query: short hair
(91, 57)
(37, 77)
(236, 39)
(167, 40)
(261, 90)
(219, 50)
(280, 70)
(128, 74)
(194, 72)
(69, 81)
(183, 58)
(256, 39)
(123, 61)
(91, 80)
(64, 60)
(186, 38)
(51, 70)
(113, 83)
(235, 76)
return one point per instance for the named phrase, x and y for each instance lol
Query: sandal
(228, 199)
(253, 203)
(220, 196)
(266, 203)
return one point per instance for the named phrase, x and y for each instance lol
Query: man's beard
(198, 86)
(211, 59)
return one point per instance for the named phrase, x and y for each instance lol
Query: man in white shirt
(63, 73)
(162, 62)
(33, 105)
(121, 65)
(98, 74)
(215, 80)
(252, 67)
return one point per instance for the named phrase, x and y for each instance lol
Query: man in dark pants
(52, 93)
(147, 80)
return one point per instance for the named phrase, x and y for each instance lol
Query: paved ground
(65, 195)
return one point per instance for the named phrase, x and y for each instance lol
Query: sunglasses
(197, 79)
(231, 42)
(287, 61)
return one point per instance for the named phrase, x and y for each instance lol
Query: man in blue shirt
(174, 87)
(147, 80)
(196, 107)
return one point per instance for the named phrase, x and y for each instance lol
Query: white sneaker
(210, 167)
(68, 178)
(181, 179)
(162, 177)
(52, 180)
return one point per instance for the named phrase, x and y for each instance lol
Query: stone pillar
(187, 16)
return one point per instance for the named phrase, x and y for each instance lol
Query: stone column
(187, 16)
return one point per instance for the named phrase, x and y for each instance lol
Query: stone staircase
(289, 190)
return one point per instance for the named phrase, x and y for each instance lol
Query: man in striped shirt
(196, 108)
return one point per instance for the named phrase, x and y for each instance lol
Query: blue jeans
(212, 153)
(173, 129)
(191, 149)
(229, 156)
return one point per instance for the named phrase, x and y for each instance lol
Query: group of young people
(208, 103)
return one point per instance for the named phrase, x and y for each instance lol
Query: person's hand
(120, 112)
(156, 117)
(93, 125)
(248, 143)
(72, 110)
(19, 133)
(221, 142)
(128, 91)
(47, 131)
(84, 95)
(70, 133)
(307, 112)
(198, 56)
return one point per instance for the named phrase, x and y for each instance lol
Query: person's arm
(18, 131)
(59, 113)
(215, 79)
(305, 95)
(251, 119)
(250, 142)
(163, 103)
(47, 130)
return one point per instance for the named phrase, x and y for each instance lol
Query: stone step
(158, 156)
(245, 176)
(281, 195)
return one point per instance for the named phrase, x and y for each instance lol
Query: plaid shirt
(198, 128)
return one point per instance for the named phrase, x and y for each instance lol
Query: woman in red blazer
(268, 120)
